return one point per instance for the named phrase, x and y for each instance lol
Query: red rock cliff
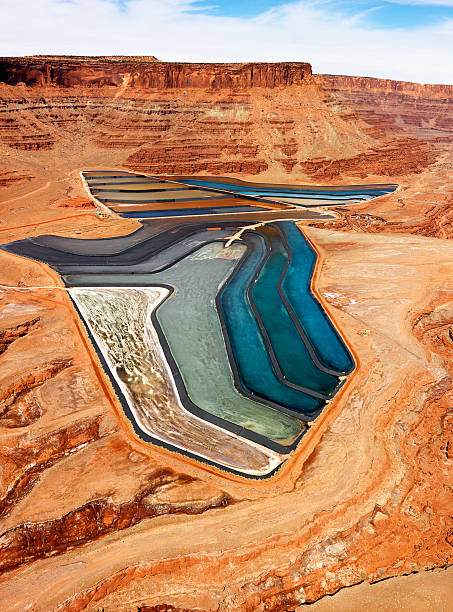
(148, 74)
(341, 83)
(248, 118)
(171, 117)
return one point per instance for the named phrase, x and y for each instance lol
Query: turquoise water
(323, 337)
(294, 192)
(191, 211)
(252, 358)
(250, 347)
(291, 352)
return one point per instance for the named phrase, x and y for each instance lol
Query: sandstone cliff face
(421, 111)
(418, 121)
(331, 82)
(47, 71)
(276, 119)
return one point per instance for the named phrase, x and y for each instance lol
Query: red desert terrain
(92, 518)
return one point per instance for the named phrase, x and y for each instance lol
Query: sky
(399, 39)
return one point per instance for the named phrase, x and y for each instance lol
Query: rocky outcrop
(8, 335)
(8, 178)
(421, 111)
(29, 460)
(222, 118)
(152, 161)
(417, 121)
(400, 157)
(174, 117)
(18, 406)
(77, 202)
(422, 206)
(97, 518)
(341, 83)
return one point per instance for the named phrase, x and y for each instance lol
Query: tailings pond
(213, 340)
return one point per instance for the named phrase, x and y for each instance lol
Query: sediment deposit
(93, 518)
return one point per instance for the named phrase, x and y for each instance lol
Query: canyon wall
(418, 121)
(140, 74)
(174, 117)
(272, 119)
(421, 111)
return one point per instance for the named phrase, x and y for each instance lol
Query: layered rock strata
(174, 118)
(407, 113)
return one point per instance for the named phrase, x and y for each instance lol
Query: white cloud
(169, 29)
(447, 3)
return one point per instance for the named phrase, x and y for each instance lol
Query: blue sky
(399, 39)
(380, 14)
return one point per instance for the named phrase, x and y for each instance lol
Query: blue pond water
(305, 195)
(251, 355)
(362, 192)
(285, 354)
(323, 337)
(290, 350)
(190, 211)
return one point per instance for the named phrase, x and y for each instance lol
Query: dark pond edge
(192, 228)
(158, 190)
(162, 268)
(191, 212)
(107, 201)
(145, 180)
(194, 225)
